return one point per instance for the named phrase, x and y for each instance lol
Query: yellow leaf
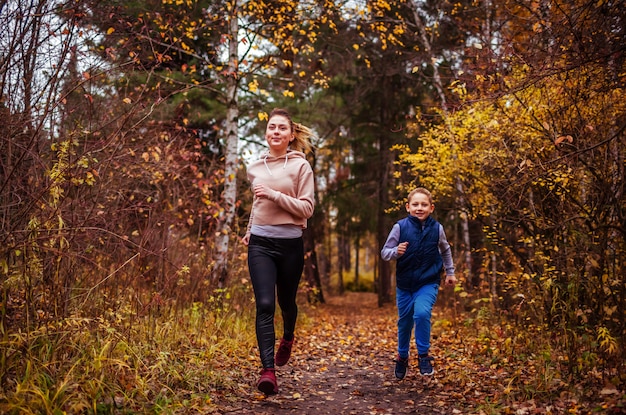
(90, 180)
(110, 30)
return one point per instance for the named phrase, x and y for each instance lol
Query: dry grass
(163, 362)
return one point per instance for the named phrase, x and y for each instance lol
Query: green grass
(366, 281)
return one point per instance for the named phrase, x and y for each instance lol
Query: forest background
(125, 130)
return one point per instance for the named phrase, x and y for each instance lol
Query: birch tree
(231, 137)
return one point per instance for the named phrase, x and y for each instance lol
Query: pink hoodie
(293, 199)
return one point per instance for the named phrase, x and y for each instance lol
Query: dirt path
(343, 364)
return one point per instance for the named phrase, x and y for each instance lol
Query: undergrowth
(166, 361)
(520, 364)
(170, 359)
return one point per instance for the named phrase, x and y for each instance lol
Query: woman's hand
(260, 190)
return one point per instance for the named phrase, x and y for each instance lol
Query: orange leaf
(562, 138)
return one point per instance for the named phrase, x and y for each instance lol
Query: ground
(342, 363)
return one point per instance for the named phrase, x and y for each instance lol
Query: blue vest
(421, 264)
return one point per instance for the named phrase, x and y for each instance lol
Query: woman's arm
(302, 205)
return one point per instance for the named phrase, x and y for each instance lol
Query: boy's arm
(446, 255)
(390, 249)
(446, 252)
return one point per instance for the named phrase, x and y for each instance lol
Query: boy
(419, 245)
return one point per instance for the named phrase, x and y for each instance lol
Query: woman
(283, 187)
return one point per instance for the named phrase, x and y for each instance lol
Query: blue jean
(415, 310)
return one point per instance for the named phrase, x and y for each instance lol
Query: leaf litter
(343, 363)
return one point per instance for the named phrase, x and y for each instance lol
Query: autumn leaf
(563, 138)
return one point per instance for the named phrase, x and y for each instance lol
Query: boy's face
(419, 206)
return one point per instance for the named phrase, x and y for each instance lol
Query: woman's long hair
(302, 134)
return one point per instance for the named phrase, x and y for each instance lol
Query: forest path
(342, 363)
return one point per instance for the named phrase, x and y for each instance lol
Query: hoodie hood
(269, 160)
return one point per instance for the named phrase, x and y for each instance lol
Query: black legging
(275, 270)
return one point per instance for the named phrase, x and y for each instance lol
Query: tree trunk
(340, 262)
(357, 244)
(229, 195)
(311, 269)
(313, 233)
(382, 229)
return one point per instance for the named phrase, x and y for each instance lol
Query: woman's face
(278, 134)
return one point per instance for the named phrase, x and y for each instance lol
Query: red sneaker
(284, 352)
(267, 383)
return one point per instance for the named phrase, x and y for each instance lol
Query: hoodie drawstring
(268, 168)
(265, 162)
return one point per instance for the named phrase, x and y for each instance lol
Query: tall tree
(229, 197)
(422, 29)
(389, 83)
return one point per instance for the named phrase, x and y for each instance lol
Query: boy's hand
(402, 248)
(450, 280)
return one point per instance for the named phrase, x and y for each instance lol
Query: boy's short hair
(421, 190)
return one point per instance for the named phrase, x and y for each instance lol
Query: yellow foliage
(607, 342)
(253, 86)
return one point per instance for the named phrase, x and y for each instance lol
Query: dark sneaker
(401, 365)
(426, 366)
(284, 352)
(267, 383)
